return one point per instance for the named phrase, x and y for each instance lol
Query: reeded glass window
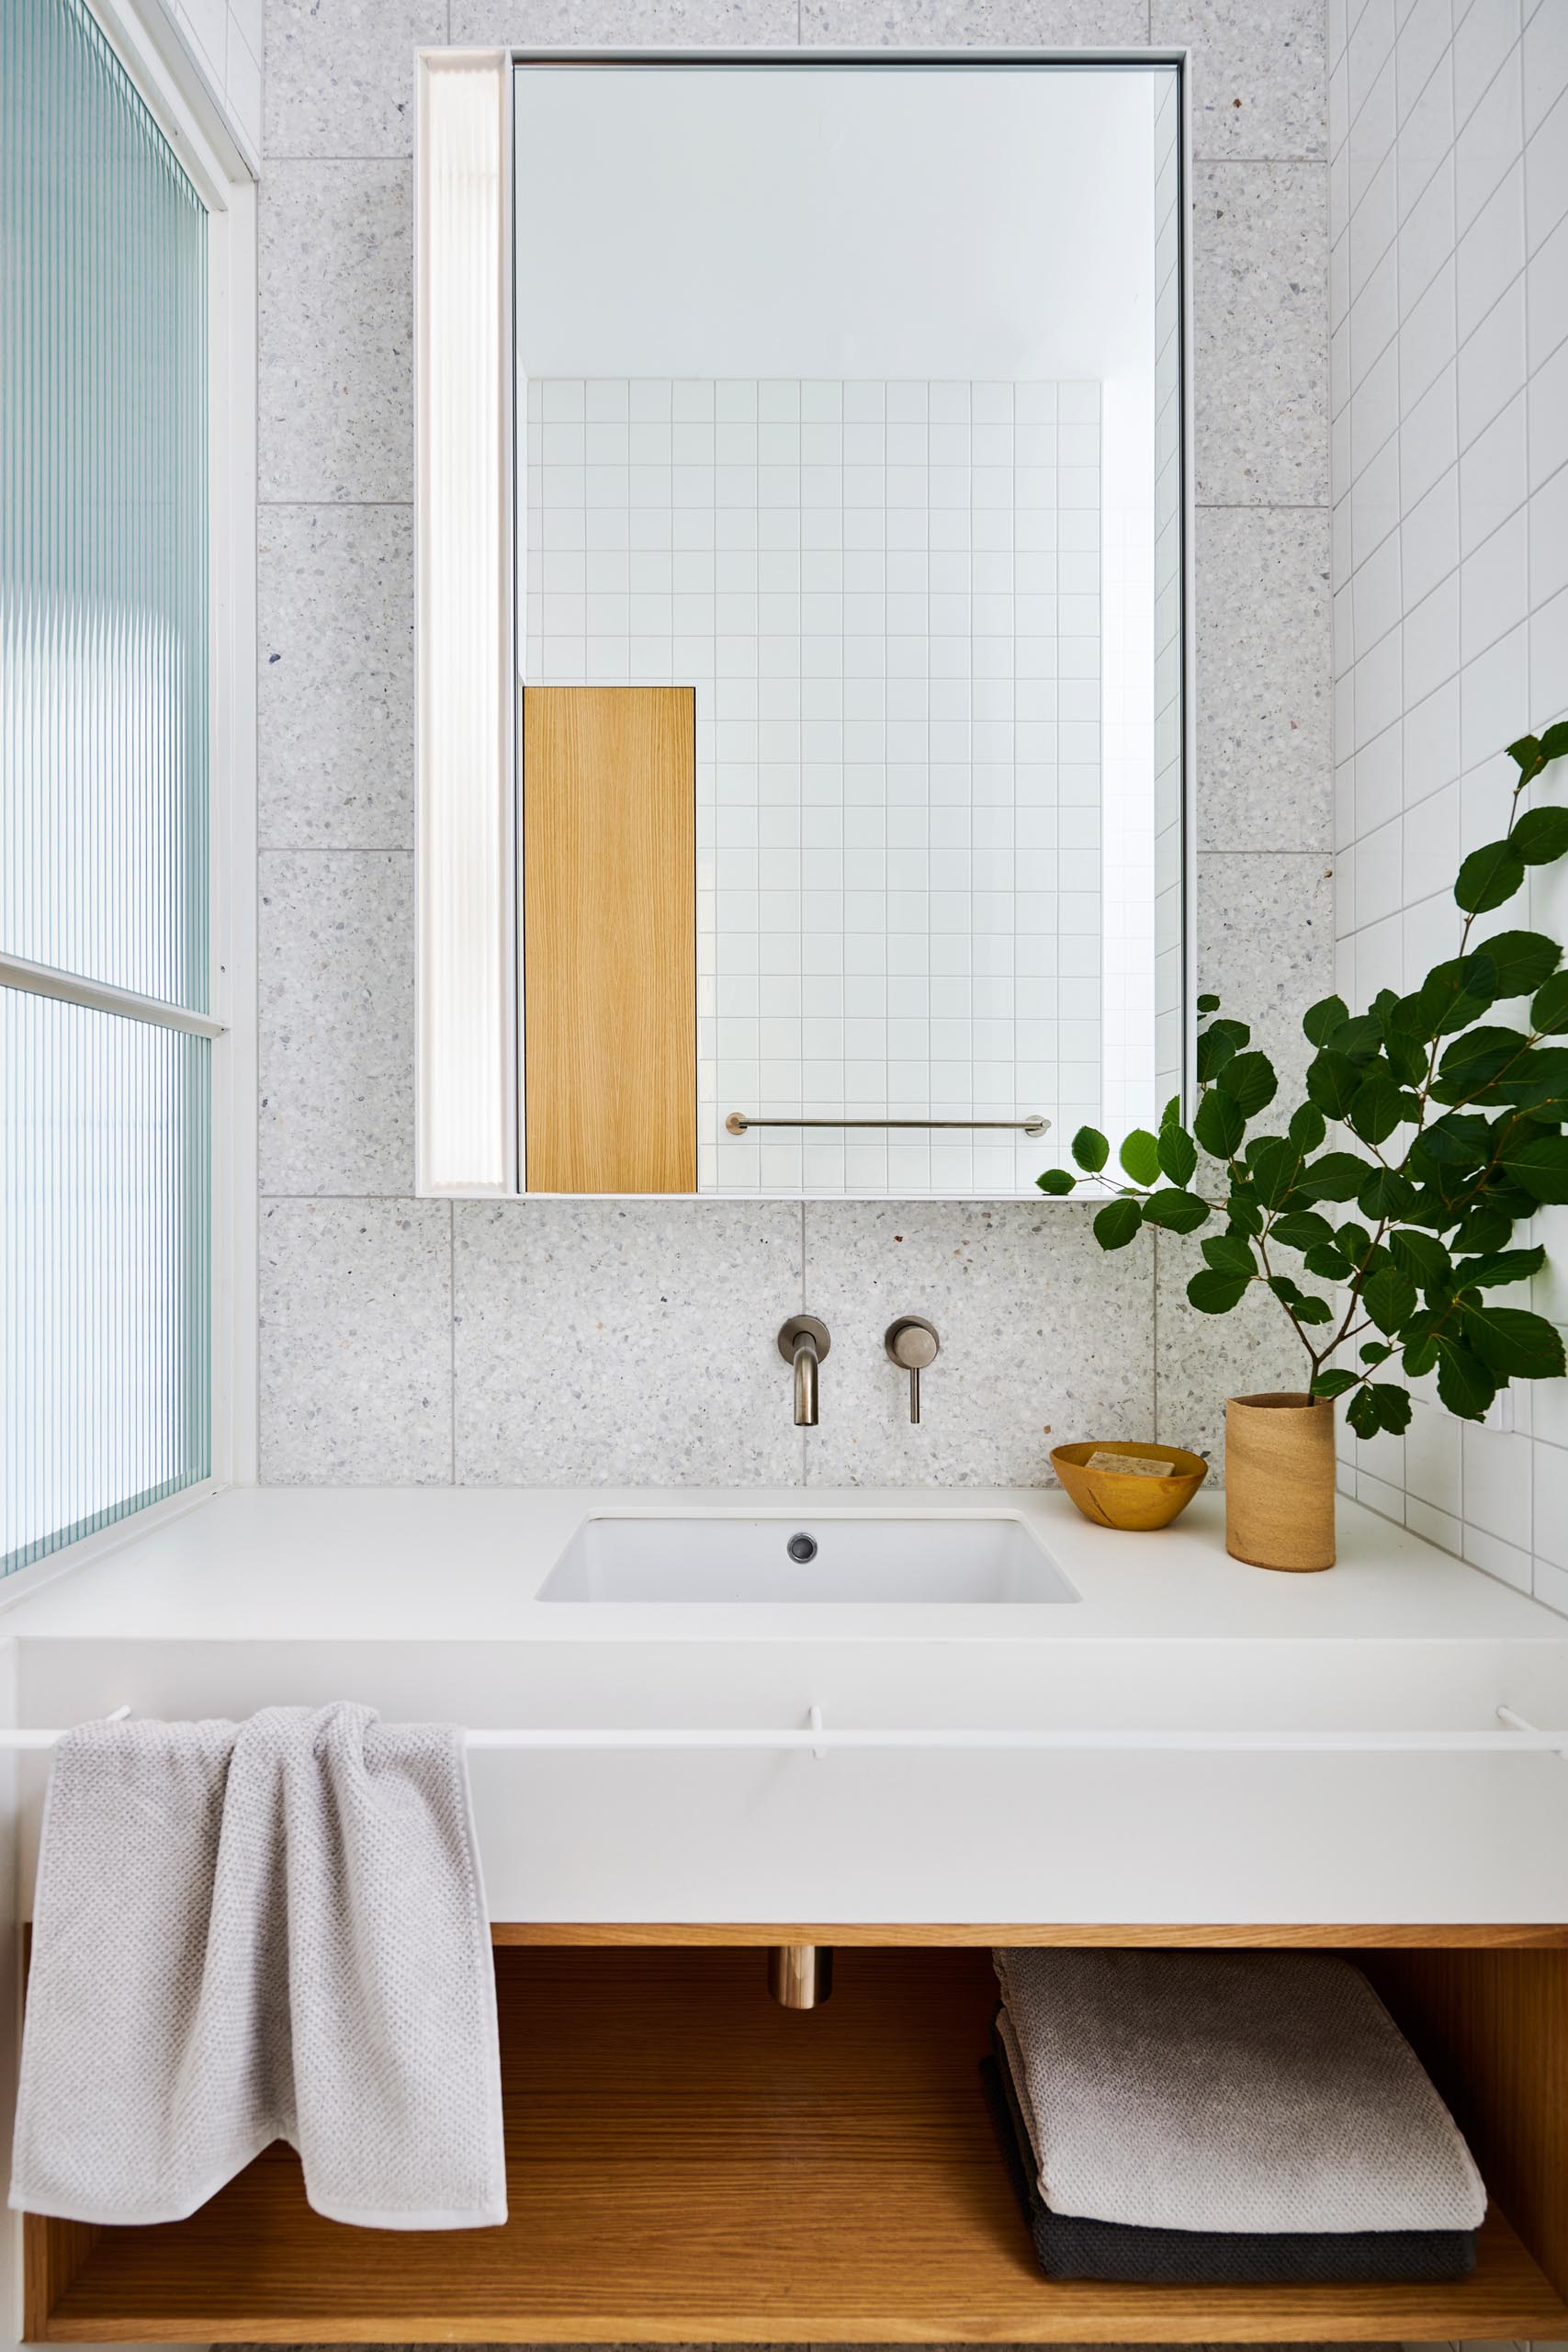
(105, 1043)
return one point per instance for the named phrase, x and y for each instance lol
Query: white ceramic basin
(990, 1557)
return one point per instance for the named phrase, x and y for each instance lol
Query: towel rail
(1518, 1736)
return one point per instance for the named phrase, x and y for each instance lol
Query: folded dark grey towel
(1068, 2247)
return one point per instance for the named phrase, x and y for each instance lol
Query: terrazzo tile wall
(1450, 210)
(407, 1340)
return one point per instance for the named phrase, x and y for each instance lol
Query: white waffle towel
(1205, 2090)
(269, 1930)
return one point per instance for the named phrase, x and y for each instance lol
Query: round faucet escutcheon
(801, 1548)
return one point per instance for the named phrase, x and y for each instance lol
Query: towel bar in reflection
(1519, 1737)
(741, 1123)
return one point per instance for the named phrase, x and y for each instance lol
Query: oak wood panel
(1356, 1937)
(1493, 2031)
(609, 939)
(689, 2163)
(52, 2255)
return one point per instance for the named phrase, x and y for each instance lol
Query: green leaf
(1458, 1139)
(1378, 1107)
(1273, 1163)
(1537, 1162)
(1537, 1083)
(1333, 1176)
(1360, 1037)
(1525, 752)
(1487, 877)
(1375, 1351)
(1387, 1192)
(1464, 1384)
(1214, 1293)
(1389, 1297)
(1118, 1223)
(1514, 1344)
(1333, 1082)
(1249, 1079)
(1220, 1124)
(1171, 1116)
(1229, 1253)
(1329, 1264)
(1208, 1003)
(1555, 742)
(1420, 1256)
(1321, 1020)
(1361, 1413)
(1549, 1012)
(1483, 1228)
(1090, 1149)
(1473, 1060)
(1139, 1155)
(1310, 1308)
(1333, 1382)
(1176, 1211)
(1356, 1242)
(1217, 1044)
(1522, 960)
(1496, 1267)
(1056, 1180)
(1178, 1154)
(1302, 1229)
(1452, 996)
(1540, 835)
(1393, 1404)
(1307, 1127)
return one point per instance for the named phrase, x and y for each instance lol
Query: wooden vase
(1279, 1481)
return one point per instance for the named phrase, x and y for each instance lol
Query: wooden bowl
(1117, 1498)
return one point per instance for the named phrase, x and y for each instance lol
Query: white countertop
(465, 1564)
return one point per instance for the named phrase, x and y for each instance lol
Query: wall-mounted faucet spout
(803, 1344)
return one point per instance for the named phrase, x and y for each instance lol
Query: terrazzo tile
(631, 1342)
(1201, 1359)
(355, 1343)
(334, 683)
(1266, 949)
(1260, 306)
(338, 77)
(1025, 23)
(335, 333)
(1260, 79)
(631, 24)
(1038, 1325)
(1265, 692)
(336, 953)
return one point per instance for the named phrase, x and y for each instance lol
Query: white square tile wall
(888, 597)
(1448, 311)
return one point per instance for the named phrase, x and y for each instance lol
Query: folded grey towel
(1069, 2248)
(1239, 2091)
(253, 1932)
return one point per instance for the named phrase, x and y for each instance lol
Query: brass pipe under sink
(800, 1977)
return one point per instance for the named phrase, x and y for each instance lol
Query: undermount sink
(804, 1558)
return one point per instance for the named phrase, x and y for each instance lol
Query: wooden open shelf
(688, 2162)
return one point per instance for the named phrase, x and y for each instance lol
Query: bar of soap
(1131, 1466)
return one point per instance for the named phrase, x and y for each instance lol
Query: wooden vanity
(690, 2163)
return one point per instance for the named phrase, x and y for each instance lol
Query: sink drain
(802, 1548)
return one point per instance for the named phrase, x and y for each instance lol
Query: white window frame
(223, 184)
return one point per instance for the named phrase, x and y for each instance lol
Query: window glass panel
(103, 520)
(104, 1268)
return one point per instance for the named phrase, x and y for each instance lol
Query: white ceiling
(992, 222)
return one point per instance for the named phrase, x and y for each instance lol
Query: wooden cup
(1279, 1481)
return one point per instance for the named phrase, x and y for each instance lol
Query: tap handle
(912, 1343)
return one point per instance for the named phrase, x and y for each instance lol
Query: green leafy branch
(1452, 1133)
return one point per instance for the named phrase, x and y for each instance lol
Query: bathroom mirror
(845, 434)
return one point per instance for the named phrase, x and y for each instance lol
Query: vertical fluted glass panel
(104, 1268)
(103, 534)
